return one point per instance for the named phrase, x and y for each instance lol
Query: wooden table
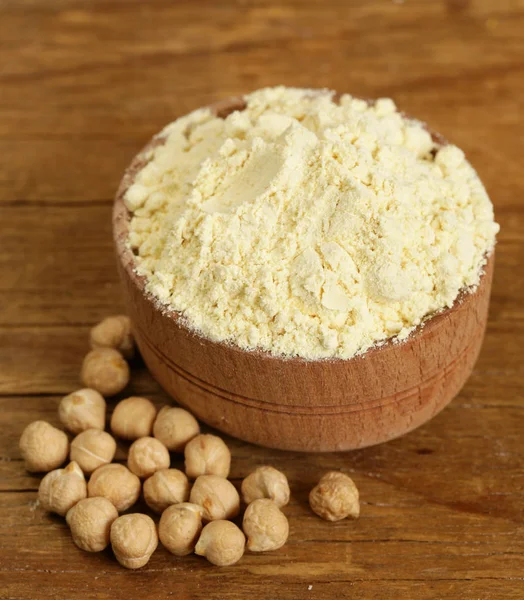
(83, 84)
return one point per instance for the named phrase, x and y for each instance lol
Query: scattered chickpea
(335, 497)
(90, 522)
(265, 526)
(106, 371)
(134, 539)
(146, 456)
(43, 447)
(116, 483)
(92, 449)
(133, 418)
(175, 427)
(164, 488)
(81, 410)
(207, 454)
(217, 496)
(61, 489)
(179, 528)
(114, 332)
(266, 482)
(222, 543)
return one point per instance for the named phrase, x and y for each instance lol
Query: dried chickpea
(90, 522)
(207, 454)
(146, 456)
(217, 496)
(106, 371)
(175, 427)
(61, 489)
(114, 332)
(133, 418)
(92, 449)
(266, 482)
(179, 528)
(43, 446)
(116, 483)
(164, 488)
(335, 497)
(81, 410)
(265, 526)
(222, 543)
(133, 539)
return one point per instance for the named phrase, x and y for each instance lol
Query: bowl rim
(122, 217)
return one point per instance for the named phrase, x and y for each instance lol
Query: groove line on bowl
(306, 411)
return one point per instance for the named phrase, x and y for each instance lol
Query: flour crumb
(306, 226)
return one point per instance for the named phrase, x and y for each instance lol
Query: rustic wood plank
(94, 167)
(52, 358)
(341, 562)
(404, 518)
(229, 587)
(101, 75)
(47, 360)
(130, 97)
(33, 170)
(351, 560)
(57, 265)
(403, 474)
(68, 26)
(64, 271)
(60, 171)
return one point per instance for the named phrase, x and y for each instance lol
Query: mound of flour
(307, 227)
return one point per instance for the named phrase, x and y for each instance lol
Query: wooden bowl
(296, 404)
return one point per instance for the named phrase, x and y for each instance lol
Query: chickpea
(106, 371)
(81, 410)
(207, 454)
(114, 332)
(92, 449)
(179, 528)
(43, 447)
(265, 526)
(116, 483)
(164, 488)
(335, 497)
(217, 496)
(134, 539)
(222, 543)
(266, 482)
(146, 456)
(90, 522)
(133, 418)
(175, 427)
(61, 489)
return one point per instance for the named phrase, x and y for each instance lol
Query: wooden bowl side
(295, 404)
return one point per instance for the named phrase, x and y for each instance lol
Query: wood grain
(83, 85)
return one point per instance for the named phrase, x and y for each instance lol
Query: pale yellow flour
(307, 227)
